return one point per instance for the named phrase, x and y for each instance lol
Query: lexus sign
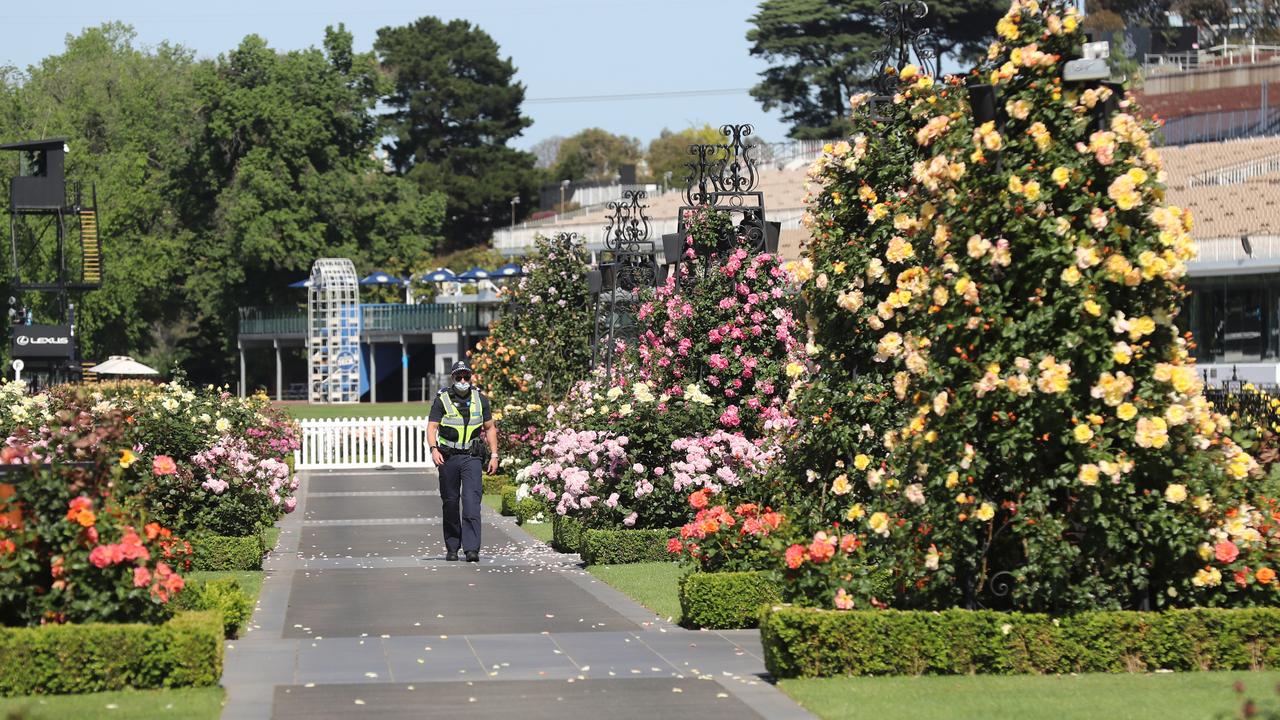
(42, 341)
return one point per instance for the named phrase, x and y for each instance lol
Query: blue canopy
(378, 277)
(441, 275)
(509, 270)
(475, 273)
(301, 284)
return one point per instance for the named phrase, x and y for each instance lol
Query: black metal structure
(627, 268)
(42, 205)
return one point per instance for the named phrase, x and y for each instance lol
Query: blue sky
(562, 48)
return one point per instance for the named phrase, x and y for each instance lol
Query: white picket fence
(355, 443)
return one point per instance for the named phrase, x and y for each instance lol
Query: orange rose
(1265, 576)
(86, 518)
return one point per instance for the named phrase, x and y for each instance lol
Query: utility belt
(476, 450)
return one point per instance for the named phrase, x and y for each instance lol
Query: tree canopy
(594, 155)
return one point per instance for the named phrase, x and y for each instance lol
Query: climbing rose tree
(994, 308)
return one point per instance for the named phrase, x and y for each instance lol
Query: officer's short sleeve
(484, 408)
(437, 411)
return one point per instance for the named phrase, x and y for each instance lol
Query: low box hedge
(493, 484)
(508, 504)
(530, 508)
(724, 600)
(221, 594)
(186, 651)
(619, 547)
(222, 552)
(566, 534)
(808, 642)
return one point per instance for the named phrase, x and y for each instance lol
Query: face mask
(462, 386)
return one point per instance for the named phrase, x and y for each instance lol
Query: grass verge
(250, 580)
(301, 411)
(540, 531)
(186, 703)
(1160, 696)
(655, 585)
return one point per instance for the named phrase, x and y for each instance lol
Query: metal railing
(1224, 55)
(1238, 173)
(1221, 125)
(390, 318)
(273, 321)
(519, 241)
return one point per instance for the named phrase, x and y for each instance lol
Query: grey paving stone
(748, 640)
(342, 660)
(522, 657)
(443, 599)
(372, 508)
(703, 653)
(373, 481)
(411, 540)
(642, 699)
(432, 659)
(613, 655)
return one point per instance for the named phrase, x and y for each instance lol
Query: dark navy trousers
(460, 479)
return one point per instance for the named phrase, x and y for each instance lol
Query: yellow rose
(1083, 433)
(985, 512)
(1071, 276)
(855, 513)
(841, 485)
(953, 479)
(1061, 176)
(861, 462)
(1175, 493)
(1089, 474)
(1093, 308)
(879, 523)
(1126, 411)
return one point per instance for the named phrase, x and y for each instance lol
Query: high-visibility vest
(465, 427)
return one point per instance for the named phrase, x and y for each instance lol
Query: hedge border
(809, 642)
(224, 552)
(508, 505)
(493, 484)
(186, 651)
(566, 534)
(624, 547)
(726, 600)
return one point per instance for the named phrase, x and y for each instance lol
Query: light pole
(564, 184)
(514, 202)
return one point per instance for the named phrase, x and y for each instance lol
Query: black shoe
(473, 556)
(452, 555)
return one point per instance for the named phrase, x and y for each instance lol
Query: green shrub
(493, 484)
(221, 552)
(186, 651)
(726, 599)
(618, 547)
(530, 508)
(508, 506)
(808, 642)
(566, 534)
(222, 594)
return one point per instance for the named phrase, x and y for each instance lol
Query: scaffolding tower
(333, 329)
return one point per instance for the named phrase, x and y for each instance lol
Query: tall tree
(820, 52)
(455, 105)
(669, 152)
(594, 155)
(284, 172)
(545, 151)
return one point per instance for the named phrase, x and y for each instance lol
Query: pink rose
(1226, 551)
(100, 556)
(141, 577)
(163, 465)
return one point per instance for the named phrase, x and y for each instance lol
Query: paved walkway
(360, 615)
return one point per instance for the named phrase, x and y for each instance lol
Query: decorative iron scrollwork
(905, 37)
(628, 228)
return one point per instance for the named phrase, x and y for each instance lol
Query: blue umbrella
(381, 278)
(509, 270)
(301, 284)
(473, 274)
(442, 275)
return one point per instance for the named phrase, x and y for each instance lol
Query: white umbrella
(122, 365)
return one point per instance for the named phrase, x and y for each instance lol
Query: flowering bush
(722, 540)
(520, 431)
(1012, 286)
(72, 549)
(707, 230)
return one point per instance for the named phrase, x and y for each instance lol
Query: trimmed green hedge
(618, 547)
(528, 508)
(221, 552)
(186, 651)
(221, 594)
(726, 599)
(566, 534)
(493, 484)
(808, 642)
(508, 505)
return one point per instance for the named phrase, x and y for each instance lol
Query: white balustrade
(354, 443)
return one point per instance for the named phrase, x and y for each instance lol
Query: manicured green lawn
(493, 500)
(272, 536)
(541, 531)
(186, 703)
(304, 410)
(250, 580)
(654, 585)
(1161, 696)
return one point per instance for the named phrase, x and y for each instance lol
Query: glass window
(1232, 319)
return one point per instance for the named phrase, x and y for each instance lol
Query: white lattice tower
(333, 329)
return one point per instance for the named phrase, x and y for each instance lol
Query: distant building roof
(47, 144)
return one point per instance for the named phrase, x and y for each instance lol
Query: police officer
(458, 428)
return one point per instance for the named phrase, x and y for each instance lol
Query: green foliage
(820, 52)
(669, 152)
(566, 534)
(594, 155)
(726, 599)
(220, 552)
(454, 106)
(530, 508)
(508, 506)
(618, 547)
(802, 642)
(224, 595)
(186, 651)
(493, 484)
